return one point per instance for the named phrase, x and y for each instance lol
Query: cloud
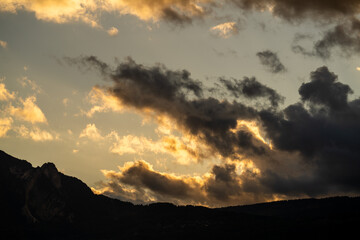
(113, 31)
(30, 112)
(26, 82)
(5, 125)
(91, 132)
(65, 101)
(59, 11)
(5, 94)
(309, 148)
(225, 30)
(294, 10)
(185, 149)
(138, 181)
(344, 36)
(271, 61)
(324, 129)
(157, 91)
(176, 11)
(102, 101)
(250, 88)
(35, 134)
(88, 11)
(3, 44)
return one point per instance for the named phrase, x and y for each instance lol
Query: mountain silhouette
(43, 203)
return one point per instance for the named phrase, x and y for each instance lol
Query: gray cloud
(344, 36)
(176, 94)
(250, 88)
(271, 61)
(293, 10)
(325, 133)
(314, 142)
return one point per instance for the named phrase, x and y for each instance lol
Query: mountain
(43, 203)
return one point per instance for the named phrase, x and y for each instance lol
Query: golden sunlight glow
(35, 134)
(154, 9)
(5, 95)
(253, 128)
(225, 30)
(91, 132)
(59, 11)
(103, 102)
(30, 111)
(5, 125)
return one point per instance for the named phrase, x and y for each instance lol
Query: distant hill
(42, 203)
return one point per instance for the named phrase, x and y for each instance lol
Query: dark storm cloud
(326, 132)
(176, 18)
(252, 89)
(221, 187)
(176, 94)
(345, 37)
(325, 90)
(299, 9)
(271, 61)
(315, 142)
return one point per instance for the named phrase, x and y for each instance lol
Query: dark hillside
(42, 203)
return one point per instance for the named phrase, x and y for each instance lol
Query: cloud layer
(306, 149)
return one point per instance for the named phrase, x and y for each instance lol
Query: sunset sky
(206, 102)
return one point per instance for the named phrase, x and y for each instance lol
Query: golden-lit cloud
(253, 127)
(59, 11)
(225, 30)
(157, 9)
(35, 134)
(113, 31)
(89, 11)
(3, 44)
(224, 185)
(5, 94)
(103, 101)
(30, 112)
(91, 132)
(26, 82)
(5, 125)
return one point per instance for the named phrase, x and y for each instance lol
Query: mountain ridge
(43, 203)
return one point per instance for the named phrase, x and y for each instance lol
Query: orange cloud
(91, 132)
(5, 125)
(103, 101)
(59, 11)
(35, 134)
(225, 30)
(139, 182)
(5, 95)
(30, 111)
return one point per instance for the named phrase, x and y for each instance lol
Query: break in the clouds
(271, 61)
(309, 148)
(343, 37)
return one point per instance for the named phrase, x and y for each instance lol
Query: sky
(204, 102)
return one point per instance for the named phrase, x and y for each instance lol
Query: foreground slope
(42, 203)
